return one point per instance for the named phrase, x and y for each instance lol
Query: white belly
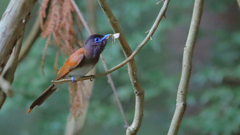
(78, 72)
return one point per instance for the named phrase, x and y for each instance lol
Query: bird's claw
(92, 77)
(73, 79)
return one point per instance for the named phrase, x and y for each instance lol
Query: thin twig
(80, 16)
(110, 81)
(186, 68)
(44, 53)
(32, 36)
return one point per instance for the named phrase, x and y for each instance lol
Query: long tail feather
(43, 97)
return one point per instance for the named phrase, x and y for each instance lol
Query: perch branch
(186, 68)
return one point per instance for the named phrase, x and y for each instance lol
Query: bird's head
(96, 43)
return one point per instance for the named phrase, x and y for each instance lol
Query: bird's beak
(106, 37)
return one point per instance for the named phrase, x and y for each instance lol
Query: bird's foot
(73, 79)
(92, 77)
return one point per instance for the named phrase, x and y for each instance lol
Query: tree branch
(186, 68)
(12, 23)
(12, 26)
(9, 70)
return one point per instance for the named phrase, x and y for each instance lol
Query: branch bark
(12, 23)
(12, 27)
(186, 68)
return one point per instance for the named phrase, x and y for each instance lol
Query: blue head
(96, 43)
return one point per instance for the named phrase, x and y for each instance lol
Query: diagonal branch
(81, 16)
(32, 36)
(9, 70)
(186, 68)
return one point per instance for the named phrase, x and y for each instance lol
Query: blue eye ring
(97, 40)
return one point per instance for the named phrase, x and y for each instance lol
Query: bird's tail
(43, 97)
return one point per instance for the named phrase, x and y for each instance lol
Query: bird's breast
(80, 71)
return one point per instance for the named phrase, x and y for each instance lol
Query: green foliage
(213, 106)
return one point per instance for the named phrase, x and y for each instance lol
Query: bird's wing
(72, 62)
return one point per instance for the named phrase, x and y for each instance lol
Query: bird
(77, 65)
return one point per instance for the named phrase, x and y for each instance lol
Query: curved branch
(186, 68)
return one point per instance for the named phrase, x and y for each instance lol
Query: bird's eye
(97, 39)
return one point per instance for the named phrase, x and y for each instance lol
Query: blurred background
(214, 93)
